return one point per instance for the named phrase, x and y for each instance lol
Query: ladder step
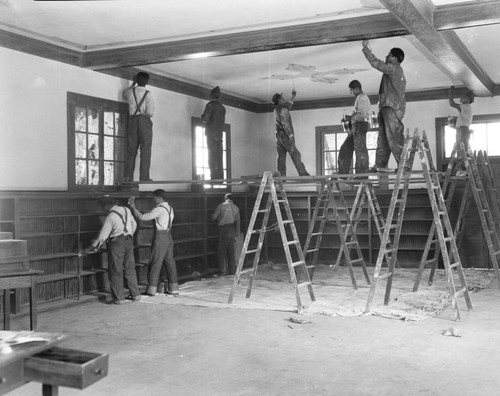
(385, 276)
(292, 243)
(297, 263)
(258, 230)
(352, 243)
(311, 250)
(460, 292)
(262, 211)
(246, 271)
(431, 261)
(454, 265)
(252, 251)
(287, 221)
(304, 284)
(360, 260)
(316, 233)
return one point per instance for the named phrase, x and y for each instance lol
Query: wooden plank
(469, 14)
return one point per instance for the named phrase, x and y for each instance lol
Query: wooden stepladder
(277, 198)
(331, 207)
(443, 229)
(482, 193)
(393, 223)
(488, 180)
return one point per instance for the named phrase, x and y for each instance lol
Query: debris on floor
(450, 331)
(299, 321)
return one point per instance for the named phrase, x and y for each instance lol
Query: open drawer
(66, 367)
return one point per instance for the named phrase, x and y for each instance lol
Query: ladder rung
(352, 243)
(448, 239)
(310, 266)
(252, 251)
(297, 263)
(304, 284)
(292, 243)
(262, 211)
(311, 250)
(258, 230)
(246, 271)
(287, 221)
(390, 250)
(316, 233)
(431, 261)
(281, 200)
(385, 276)
(360, 260)
(454, 265)
(459, 292)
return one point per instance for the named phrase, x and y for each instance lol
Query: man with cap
(140, 127)
(118, 230)
(214, 116)
(227, 216)
(285, 137)
(162, 248)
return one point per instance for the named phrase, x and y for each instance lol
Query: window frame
(440, 122)
(321, 131)
(197, 122)
(102, 105)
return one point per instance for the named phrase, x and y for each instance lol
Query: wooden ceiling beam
(338, 31)
(443, 48)
(464, 15)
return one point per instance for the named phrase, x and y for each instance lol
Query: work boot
(173, 289)
(151, 291)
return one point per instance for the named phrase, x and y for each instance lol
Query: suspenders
(141, 102)
(169, 218)
(124, 220)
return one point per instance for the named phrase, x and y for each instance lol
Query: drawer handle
(98, 372)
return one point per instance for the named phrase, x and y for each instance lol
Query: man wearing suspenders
(118, 231)
(162, 249)
(140, 127)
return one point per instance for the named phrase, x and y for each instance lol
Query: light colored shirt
(162, 214)
(148, 105)
(393, 84)
(465, 115)
(361, 108)
(118, 220)
(227, 213)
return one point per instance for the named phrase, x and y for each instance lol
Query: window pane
(93, 121)
(493, 137)
(199, 136)
(80, 145)
(478, 138)
(371, 139)
(120, 124)
(449, 140)
(371, 158)
(108, 148)
(119, 149)
(341, 137)
(109, 123)
(80, 119)
(93, 152)
(81, 172)
(331, 160)
(109, 177)
(93, 173)
(329, 141)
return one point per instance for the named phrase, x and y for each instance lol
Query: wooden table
(18, 280)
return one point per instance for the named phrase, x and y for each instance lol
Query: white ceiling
(316, 72)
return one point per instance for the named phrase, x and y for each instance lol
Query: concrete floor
(192, 350)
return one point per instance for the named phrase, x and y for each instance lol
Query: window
(201, 171)
(485, 136)
(96, 142)
(328, 141)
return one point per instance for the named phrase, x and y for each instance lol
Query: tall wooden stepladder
(277, 198)
(392, 228)
(444, 231)
(488, 180)
(331, 207)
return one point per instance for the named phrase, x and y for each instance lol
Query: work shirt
(393, 84)
(162, 214)
(214, 116)
(283, 119)
(464, 115)
(361, 108)
(227, 213)
(118, 222)
(148, 105)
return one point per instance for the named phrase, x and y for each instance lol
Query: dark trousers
(215, 152)
(121, 262)
(390, 137)
(286, 145)
(225, 250)
(354, 143)
(140, 134)
(162, 254)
